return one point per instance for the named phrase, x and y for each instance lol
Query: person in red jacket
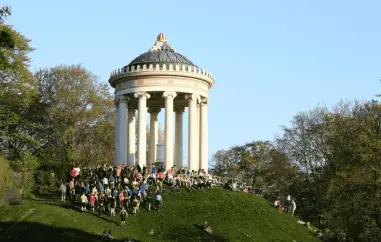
(118, 171)
(160, 176)
(92, 201)
(121, 198)
(138, 176)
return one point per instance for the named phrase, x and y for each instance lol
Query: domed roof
(161, 53)
(161, 56)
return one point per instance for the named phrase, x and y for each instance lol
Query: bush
(271, 193)
(44, 178)
(29, 166)
(6, 174)
(25, 171)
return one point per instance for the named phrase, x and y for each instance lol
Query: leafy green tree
(278, 175)
(305, 144)
(17, 92)
(355, 185)
(220, 163)
(4, 12)
(227, 162)
(78, 118)
(254, 160)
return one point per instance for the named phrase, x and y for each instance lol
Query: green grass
(232, 216)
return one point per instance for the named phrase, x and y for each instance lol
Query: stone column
(192, 132)
(142, 129)
(204, 135)
(131, 136)
(121, 131)
(198, 137)
(179, 138)
(168, 153)
(153, 138)
(117, 131)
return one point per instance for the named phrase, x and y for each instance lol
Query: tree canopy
(328, 160)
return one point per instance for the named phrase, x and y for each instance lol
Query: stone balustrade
(157, 67)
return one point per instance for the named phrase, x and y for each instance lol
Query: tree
(278, 174)
(355, 186)
(17, 92)
(255, 157)
(220, 163)
(305, 143)
(78, 118)
(4, 12)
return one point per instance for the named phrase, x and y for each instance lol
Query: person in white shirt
(63, 192)
(105, 181)
(108, 192)
(125, 181)
(277, 203)
(293, 207)
(84, 201)
(234, 186)
(94, 190)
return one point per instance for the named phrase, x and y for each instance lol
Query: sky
(269, 59)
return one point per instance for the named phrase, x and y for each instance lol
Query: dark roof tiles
(161, 56)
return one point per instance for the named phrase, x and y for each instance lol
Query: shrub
(6, 174)
(25, 171)
(44, 178)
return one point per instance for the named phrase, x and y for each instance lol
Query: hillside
(232, 216)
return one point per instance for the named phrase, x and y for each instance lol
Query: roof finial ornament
(161, 37)
(161, 44)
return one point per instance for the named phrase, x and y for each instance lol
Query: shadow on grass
(27, 231)
(196, 234)
(48, 193)
(77, 209)
(198, 226)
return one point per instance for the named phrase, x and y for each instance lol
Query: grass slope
(232, 216)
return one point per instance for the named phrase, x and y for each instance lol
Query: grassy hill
(232, 216)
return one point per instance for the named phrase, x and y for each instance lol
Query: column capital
(180, 109)
(131, 107)
(154, 110)
(203, 101)
(169, 94)
(142, 95)
(192, 97)
(121, 99)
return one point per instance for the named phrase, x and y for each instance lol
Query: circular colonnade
(161, 79)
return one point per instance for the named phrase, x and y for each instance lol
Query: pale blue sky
(270, 59)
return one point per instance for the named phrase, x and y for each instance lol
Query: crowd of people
(111, 190)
